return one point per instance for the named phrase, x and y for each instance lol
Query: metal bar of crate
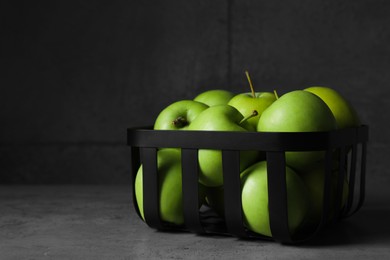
(351, 179)
(134, 165)
(232, 193)
(277, 196)
(340, 183)
(190, 190)
(151, 203)
(362, 191)
(326, 200)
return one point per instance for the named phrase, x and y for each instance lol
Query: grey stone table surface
(99, 222)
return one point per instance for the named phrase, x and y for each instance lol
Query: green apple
(254, 102)
(214, 97)
(298, 111)
(170, 187)
(246, 103)
(178, 115)
(314, 179)
(220, 118)
(255, 199)
(342, 110)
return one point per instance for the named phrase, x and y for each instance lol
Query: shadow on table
(368, 226)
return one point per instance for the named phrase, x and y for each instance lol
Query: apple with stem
(178, 115)
(214, 97)
(220, 118)
(246, 103)
(254, 183)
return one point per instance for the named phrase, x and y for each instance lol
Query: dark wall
(75, 75)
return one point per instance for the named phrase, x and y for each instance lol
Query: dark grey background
(76, 74)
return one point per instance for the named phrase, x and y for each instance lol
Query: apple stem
(254, 113)
(180, 122)
(276, 94)
(250, 84)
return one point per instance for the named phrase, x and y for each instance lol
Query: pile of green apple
(312, 109)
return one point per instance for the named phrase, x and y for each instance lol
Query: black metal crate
(350, 145)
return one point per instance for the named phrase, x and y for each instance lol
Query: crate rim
(233, 140)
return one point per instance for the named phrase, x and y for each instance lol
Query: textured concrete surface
(99, 222)
(74, 76)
